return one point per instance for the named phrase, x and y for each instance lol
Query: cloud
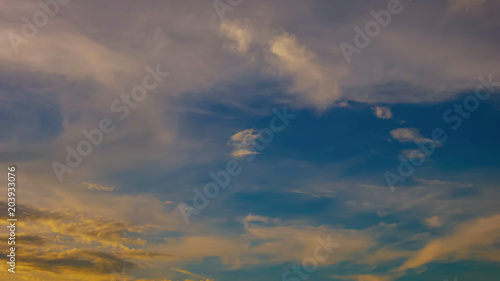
(82, 68)
(408, 135)
(251, 218)
(30, 239)
(382, 112)
(77, 68)
(98, 187)
(483, 11)
(82, 246)
(81, 227)
(442, 183)
(364, 278)
(433, 222)
(314, 84)
(466, 5)
(72, 55)
(469, 240)
(187, 272)
(413, 154)
(273, 247)
(239, 36)
(90, 263)
(301, 241)
(243, 143)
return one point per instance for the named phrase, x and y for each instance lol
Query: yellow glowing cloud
(476, 235)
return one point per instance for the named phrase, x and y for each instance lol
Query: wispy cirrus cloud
(243, 143)
(98, 187)
(469, 240)
(442, 183)
(66, 77)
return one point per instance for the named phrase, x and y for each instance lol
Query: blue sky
(300, 135)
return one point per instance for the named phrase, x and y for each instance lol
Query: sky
(251, 140)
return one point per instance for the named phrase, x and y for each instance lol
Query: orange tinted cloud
(475, 236)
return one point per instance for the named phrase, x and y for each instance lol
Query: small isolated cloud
(433, 222)
(251, 218)
(382, 112)
(243, 143)
(442, 183)
(98, 187)
(413, 154)
(408, 135)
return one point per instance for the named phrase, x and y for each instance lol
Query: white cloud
(382, 112)
(314, 83)
(70, 54)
